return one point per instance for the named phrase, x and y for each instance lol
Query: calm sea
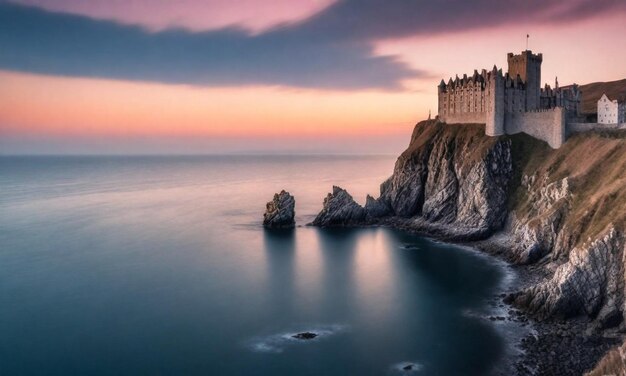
(160, 266)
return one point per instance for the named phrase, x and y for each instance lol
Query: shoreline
(553, 346)
(509, 322)
(550, 346)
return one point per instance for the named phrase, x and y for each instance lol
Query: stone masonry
(511, 103)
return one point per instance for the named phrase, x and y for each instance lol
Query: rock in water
(339, 209)
(305, 335)
(280, 212)
(376, 208)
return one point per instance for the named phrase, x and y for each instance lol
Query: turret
(494, 117)
(528, 66)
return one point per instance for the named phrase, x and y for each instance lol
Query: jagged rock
(339, 209)
(376, 208)
(280, 213)
(452, 178)
(442, 185)
(483, 189)
(453, 184)
(537, 232)
(404, 190)
(590, 283)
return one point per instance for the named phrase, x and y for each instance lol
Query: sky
(269, 76)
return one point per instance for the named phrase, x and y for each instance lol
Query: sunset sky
(269, 76)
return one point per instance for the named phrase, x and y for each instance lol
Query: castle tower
(442, 102)
(528, 66)
(494, 117)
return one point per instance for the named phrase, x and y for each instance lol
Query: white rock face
(591, 282)
(280, 212)
(538, 231)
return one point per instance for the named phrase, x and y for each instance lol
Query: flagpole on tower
(527, 36)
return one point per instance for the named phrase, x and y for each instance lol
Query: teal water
(160, 266)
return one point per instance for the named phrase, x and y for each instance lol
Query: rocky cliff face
(590, 283)
(451, 176)
(450, 181)
(563, 209)
(568, 214)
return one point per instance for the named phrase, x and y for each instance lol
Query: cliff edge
(561, 211)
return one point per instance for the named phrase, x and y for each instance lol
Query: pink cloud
(196, 15)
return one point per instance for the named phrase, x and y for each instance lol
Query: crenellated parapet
(475, 81)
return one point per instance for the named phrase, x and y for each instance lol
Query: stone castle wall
(584, 127)
(551, 125)
(546, 125)
(468, 117)
(494, 124)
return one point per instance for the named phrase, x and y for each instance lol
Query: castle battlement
(500, 99)
(544, 110)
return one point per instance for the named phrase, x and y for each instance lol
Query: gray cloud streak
(332, 49)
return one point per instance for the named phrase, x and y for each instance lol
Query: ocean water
(160, 266)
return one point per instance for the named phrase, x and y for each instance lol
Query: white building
(611, 111)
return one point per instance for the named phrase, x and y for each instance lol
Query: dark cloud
(331, 49)
(379, 19)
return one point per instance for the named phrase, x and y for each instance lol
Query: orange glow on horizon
(60, 106)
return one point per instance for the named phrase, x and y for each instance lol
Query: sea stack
(280, 212)
(339, 209)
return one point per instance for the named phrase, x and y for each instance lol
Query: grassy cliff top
(595, 164)
(468, 139)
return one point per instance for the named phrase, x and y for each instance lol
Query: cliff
(568, 212)
(563, 210)
(451, 181)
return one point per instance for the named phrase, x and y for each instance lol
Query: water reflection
(280, 249)
(446, 270)
(338, 248)
(438, 283)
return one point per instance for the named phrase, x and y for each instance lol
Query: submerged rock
(280, 212)
(304, 335)
(339, 209)
(407, 367)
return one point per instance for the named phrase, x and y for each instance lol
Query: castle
(513, 102)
